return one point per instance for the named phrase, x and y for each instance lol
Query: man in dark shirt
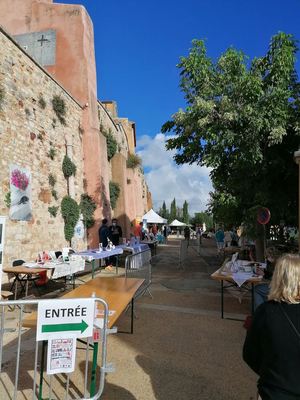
(104, 233)
(115, 232)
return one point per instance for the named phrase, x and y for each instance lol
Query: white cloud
(167, 180)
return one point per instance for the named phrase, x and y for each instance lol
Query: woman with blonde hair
(272, 345)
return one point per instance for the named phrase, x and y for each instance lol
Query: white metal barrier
(138, 265)
(22, 357)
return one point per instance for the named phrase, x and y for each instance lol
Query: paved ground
(181, 349)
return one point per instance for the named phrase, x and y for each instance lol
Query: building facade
(49, 108)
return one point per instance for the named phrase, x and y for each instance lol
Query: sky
(139, 43)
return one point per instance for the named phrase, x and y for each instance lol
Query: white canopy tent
(153, 218)
(177, 223)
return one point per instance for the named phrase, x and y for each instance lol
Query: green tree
(185, 212)
(173, 211)
(242, 120)
(202, 217)
(163, 211)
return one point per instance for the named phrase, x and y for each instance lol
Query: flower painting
(20, 188)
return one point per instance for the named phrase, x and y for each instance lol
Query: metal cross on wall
(42, 40)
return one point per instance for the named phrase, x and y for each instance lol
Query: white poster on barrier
(61, 355)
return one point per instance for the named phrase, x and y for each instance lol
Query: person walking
(272, 344)
(219, 236)
(187, 233)
(227, 238)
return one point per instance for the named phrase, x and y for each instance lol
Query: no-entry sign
(58, 318)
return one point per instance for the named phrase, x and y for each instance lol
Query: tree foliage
(185, 213)
(173, 210)
(202, 217)
(163, 211)
(242, 120)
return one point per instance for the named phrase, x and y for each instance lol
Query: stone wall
(27, 132)
(75, 68)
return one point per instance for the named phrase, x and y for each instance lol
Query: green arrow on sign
(81, 326)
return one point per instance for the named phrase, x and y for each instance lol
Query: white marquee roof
(177, 223)
(153, 218)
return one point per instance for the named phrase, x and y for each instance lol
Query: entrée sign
(58, 318)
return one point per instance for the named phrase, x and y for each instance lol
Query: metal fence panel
(138, 265)
(22, 359)
(186, 247)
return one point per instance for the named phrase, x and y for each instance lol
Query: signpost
(67, 318)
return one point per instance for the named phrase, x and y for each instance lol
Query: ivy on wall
(70, 212)
(68, 167)
(42, 103)
(51, 153)
(53, 211)
(114, 193)
(112, 145)
(7, 199)
(59, 107)
(87, 207)
(1, 97)
(52, 180)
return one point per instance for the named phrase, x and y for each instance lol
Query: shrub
(54, 194)
(70, 212)
(59, 107)
(51, 153)
(53, 211)
(68, 167)
(87, 207)
(42, 103)
(112, 145)
(52, 180)
(7, 199)
(133, 161)
(1, 97)
(114, 193)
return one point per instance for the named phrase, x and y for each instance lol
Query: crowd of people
(113, 234)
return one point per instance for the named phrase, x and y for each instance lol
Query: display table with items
(240, 275)
(40, 272)
(100, 254)
(134, 248)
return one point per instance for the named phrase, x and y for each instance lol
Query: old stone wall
(29, 129)
(74, 67)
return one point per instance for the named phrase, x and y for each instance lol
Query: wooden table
(117, 292)
(218, 276)
(21, 270)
